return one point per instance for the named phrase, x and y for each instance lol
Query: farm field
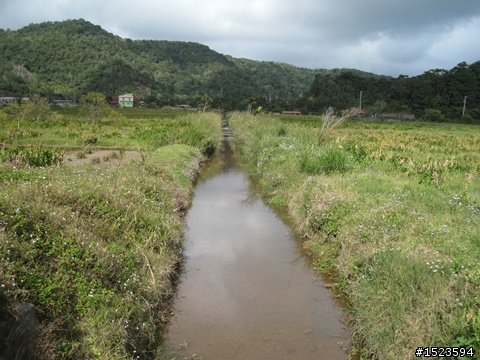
(91, 224)
(391, 210)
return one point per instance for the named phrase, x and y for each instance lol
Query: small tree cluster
(95, 106)
(37, 108)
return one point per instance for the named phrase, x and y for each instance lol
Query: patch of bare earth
(101, 157)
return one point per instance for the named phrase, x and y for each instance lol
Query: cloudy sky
(390, 37)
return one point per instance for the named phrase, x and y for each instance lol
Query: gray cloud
(402, 37)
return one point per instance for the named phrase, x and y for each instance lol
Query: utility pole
(361, 100)
(464, 105)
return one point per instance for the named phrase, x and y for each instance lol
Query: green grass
(393, 215)
(328, 159)
(155, 129)
(97, 249)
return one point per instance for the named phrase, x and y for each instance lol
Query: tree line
(436, 95)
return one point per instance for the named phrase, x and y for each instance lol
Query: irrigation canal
(248, 292)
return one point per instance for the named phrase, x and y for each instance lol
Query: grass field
(97, 247)
(392, 210)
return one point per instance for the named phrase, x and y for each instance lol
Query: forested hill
(75, 56)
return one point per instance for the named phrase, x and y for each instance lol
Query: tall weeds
(331, 121)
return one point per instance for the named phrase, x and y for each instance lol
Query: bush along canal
(248, 292)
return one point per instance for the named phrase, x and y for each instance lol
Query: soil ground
(101, 157)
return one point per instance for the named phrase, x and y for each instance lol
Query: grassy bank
(97, 247)
(392, 210)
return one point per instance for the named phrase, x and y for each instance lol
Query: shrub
(282, 131)
(93, 140)
(95, 161)
(208, 147)
(434, 115)
(37, 156)
(81, 155)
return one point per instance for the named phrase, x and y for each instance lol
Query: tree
(206, 99)
(379, 106)
(18, 110)
(95, 106)
(250, 102)
(37, 107)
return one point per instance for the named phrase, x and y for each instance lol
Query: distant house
(291, 113)
(113, 100)
(125, 100)
(7, 100)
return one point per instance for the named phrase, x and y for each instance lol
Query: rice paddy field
(391, 210)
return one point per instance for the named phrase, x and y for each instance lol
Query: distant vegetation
(70, 58)
(436, 95)
(74, 57)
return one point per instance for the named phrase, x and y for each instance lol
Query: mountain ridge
(76, 56)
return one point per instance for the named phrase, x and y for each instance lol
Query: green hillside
(73, 57)
(69, 58)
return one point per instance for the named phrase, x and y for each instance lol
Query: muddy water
(248, 293)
